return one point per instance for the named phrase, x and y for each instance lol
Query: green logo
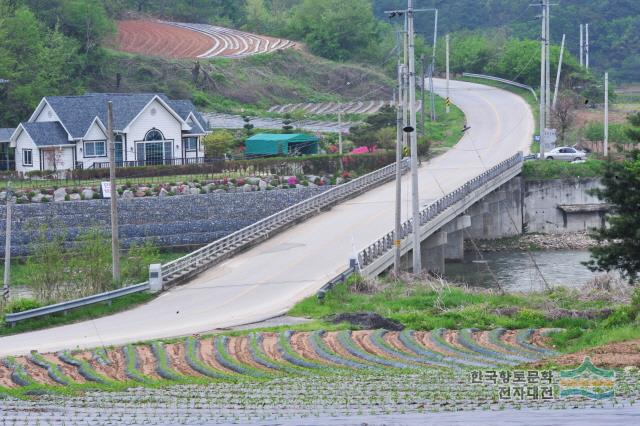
(588, 381)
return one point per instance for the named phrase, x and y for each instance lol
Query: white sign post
(106, 190)
(550, 139)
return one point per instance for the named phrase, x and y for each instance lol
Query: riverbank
(535, 242)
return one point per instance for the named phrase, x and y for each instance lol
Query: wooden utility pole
(115, 244)
(7, 246)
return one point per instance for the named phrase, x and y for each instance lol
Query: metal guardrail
(67, 306)
(384, 244)
(502, 80)
(232, 243)
(206, 256)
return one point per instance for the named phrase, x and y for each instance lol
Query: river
(522, 271)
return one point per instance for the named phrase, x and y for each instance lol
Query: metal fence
(384, 244)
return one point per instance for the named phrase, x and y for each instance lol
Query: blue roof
(47, 133)
(77, 113)
(5, 134)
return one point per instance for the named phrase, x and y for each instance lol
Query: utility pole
(417, 255)
(448, 101)
(422, 85)
(581, 45)
(432, 96)
(397, 236)
(586, 46)
(115, 245)
(340, 129)
(7, 246)
(555, 90)
(543, 72)
(606, 114)
(547, 61)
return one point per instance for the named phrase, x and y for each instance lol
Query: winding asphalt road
(268, 279)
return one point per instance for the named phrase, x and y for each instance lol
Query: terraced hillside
(359, 107)
(271, 355)
(190, 41)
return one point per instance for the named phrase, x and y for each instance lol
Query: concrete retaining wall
(185, 220)
(542, 198)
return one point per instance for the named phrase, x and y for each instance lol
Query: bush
(22, 305)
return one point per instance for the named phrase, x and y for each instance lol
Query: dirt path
(300, 343)
(239, 349)
(270, 346)
(115, 370)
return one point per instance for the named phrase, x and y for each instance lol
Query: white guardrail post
(155, 278)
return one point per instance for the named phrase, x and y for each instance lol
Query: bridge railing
(369, 254)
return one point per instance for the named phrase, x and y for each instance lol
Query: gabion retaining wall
(184, 220)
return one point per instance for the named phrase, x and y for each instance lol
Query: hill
(614, 26)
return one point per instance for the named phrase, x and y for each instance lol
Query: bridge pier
(499, 214)
(433, 252)
(454, 249)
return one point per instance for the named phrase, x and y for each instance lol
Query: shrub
(22, 305)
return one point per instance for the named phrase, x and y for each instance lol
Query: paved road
(268, 279)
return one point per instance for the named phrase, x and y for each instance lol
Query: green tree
(336, 29)
(86, 21)
(218, 143)
(619, 243)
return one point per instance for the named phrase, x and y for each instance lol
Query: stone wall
(179, 221)
(542, 198)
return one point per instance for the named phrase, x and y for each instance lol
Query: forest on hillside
(60, 50)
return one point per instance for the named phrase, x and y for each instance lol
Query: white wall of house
(155, 115)
(94, 134)
(46, 115)
(24, 142)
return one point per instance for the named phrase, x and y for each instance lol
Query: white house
(68, 132)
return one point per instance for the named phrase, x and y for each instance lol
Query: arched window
(154, 135)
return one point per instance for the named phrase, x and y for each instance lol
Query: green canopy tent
(281, 144)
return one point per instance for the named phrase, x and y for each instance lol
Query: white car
(565, 153)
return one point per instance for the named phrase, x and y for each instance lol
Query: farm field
(270, 355)
(191, 41)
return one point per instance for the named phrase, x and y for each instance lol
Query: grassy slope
(537, 170)
(420, 307)
(251, 84)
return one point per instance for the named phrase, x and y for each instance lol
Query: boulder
(139, 193)
(163, 193)
(262, 185)
(339, 181)
(37, 198)
(194, 191)
(74, 197)
(127, 194)
(87, 194)
(247, 188)
(59, 194)
(253, 180)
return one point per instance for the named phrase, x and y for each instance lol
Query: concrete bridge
(266, 280)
